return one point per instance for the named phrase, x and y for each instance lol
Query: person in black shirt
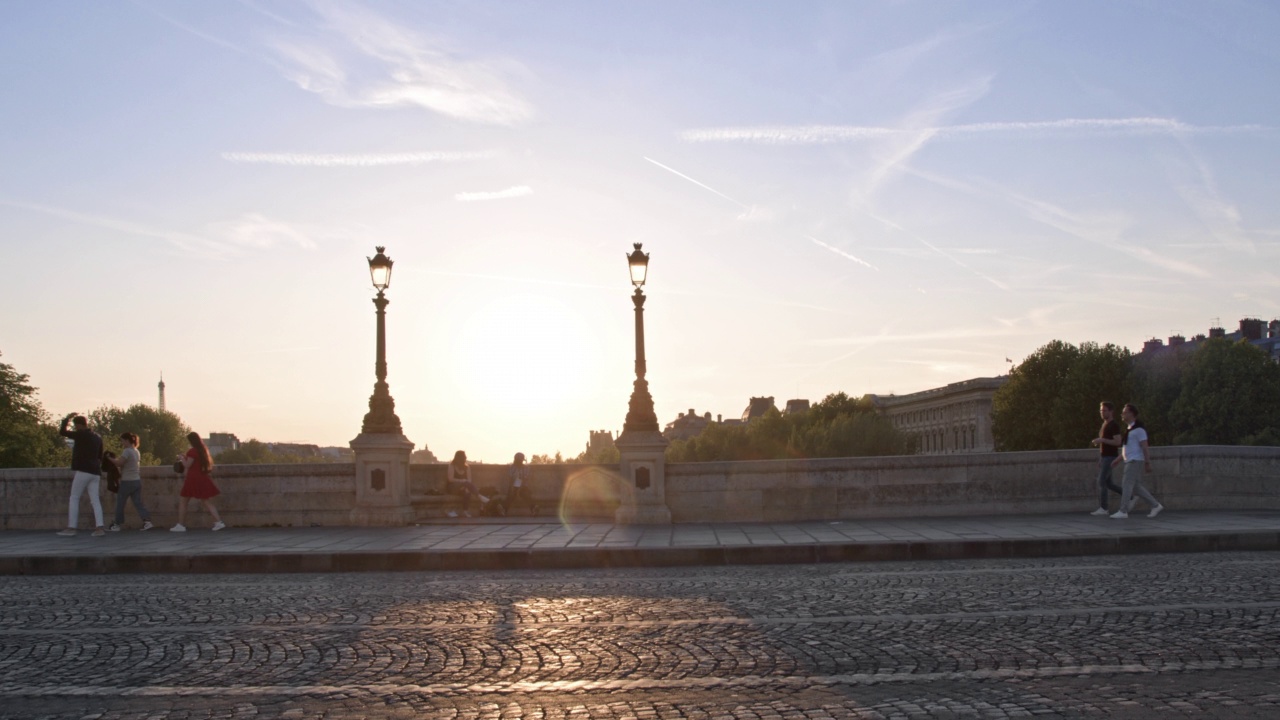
(1108, 443)
(86, 461)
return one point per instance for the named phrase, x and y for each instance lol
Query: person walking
(459, 483)
(1108, 443)
(129, 462)
(1136, 456)
(86, 461)
(198, 483)
(519, 490)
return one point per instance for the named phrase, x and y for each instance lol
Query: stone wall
(252, 495)
(1197, 477)
(1192, 477)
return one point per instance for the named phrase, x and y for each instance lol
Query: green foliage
(1154, 384)
(1230, 394)
(162, 435)
(1219, 393)
(838, 426)
(256, 452)
(601, 455)
(1098, 373)
(1022, 409)
(27, 437)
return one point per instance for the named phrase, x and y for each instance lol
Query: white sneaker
(1100, 511)
(68, 532)
(452, 513)
(147, 525)
(114, 528)
(218, 526)
(1155, 511)
(178, 528)
(1120, 515)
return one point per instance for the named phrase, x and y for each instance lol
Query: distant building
(686, 425)
(757, 408)
(218, 442)
(337, 452)
(796, 406)
(600, 441)
(1262, 334)
(955, 418)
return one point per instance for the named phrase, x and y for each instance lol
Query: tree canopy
(837, 426)
(1218, 392)
(161, 434)
(28, 438)
(1230, 395)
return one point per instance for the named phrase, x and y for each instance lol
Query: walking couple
(1130, 449)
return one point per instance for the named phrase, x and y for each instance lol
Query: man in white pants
(1136, 456)
(86, 461)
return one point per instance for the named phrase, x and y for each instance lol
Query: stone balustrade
(1191, 477)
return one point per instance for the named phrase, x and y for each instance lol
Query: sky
(867, 197)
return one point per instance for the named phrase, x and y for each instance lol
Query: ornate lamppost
(381, 417)
(641, 446)
(640, 414)
(381, 449)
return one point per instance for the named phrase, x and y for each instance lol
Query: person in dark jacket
(86, 461)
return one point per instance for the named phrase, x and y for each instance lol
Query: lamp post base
(644, 468)
(382, 480)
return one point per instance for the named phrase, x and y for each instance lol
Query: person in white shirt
(1136, 456)
(130, 483)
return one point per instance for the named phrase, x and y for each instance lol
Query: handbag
(177, 467)
(113, 472)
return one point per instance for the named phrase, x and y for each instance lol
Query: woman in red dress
(198, 484)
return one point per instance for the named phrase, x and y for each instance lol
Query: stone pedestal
(644, 468)
(382, 480)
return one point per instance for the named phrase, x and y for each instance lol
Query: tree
(1022, 409)
(1155, 383)
(27, 437)
(1230, 394)
(838, 426)
(1099, 372)
(161, 434)
(256, 452)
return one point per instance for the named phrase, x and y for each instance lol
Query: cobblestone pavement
(1119, 636)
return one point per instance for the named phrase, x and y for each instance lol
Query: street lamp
(640, 414)
(381, 417)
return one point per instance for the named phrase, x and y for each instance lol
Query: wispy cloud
(827, 134)
(378, 64)
(258, 232)
(354, 160)
(216, 240)
(842, 253)
(188, 242)
(511, 192)
(699, 184)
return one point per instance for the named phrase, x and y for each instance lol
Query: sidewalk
(532, 544)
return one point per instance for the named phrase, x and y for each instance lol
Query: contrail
(511, 192)
(701, 185)
(842, 253)
(359, 160)
(823, 134)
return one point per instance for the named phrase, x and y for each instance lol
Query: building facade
(955, 418)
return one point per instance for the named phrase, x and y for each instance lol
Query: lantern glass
(380, 270)
(639, 264)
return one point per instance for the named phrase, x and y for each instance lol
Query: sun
(526, 350)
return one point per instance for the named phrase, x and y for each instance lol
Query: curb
(632, 557)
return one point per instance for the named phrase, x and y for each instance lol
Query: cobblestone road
(1133, 636)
